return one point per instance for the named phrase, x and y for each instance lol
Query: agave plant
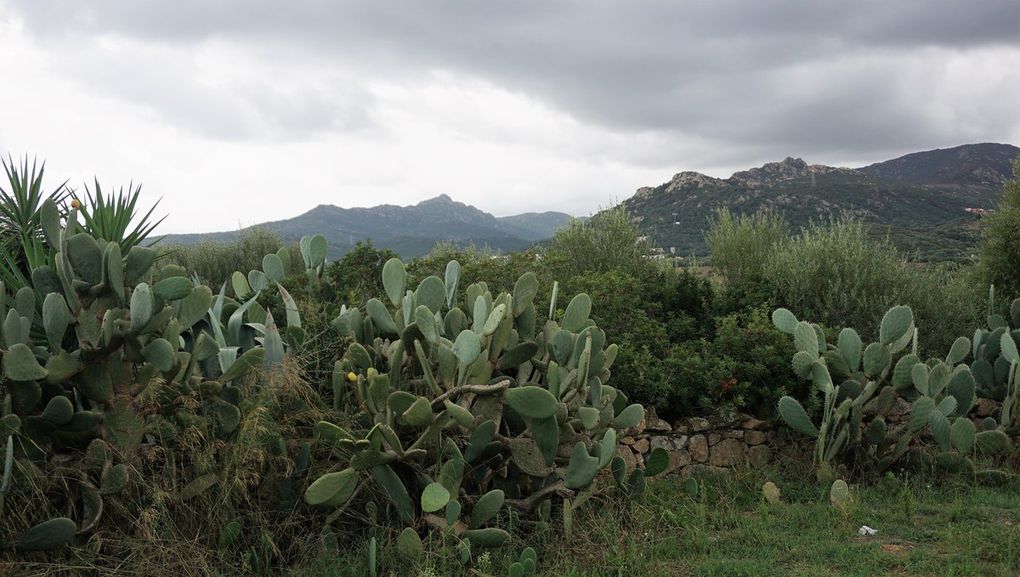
(25, 212)
(21, 206)
(110, 217)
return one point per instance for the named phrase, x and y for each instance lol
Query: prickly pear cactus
(470, 408)
(860, 385)
(97, 349)
(314, 251)
(996, 359)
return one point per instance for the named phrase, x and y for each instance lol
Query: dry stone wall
(714, 444)
(730, 440)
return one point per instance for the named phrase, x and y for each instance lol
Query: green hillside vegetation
(409, 231)
(932, 221)
(1000, 243)
(985, 164)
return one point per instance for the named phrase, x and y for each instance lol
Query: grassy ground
(723, 528)
(709, 528)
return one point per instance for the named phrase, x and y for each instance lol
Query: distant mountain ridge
(985, 164)
(926, 202)
(409, 230)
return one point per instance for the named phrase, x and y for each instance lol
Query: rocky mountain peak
(772, 171)
(689, 179)
(775, 172)
(441, 199)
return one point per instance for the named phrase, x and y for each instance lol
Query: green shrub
(740, 246)
(356, 276)
(745, 366)
(947, 300)
(638, 328)
(214, 262)
(742, 297)
(609, 241)
(840, 274)
(498, 271)
(648, 313)
(836, 274)
(1000, 242)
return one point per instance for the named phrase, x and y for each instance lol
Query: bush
(676, 357)
(498, 271)
(637, 328)
(648, 313)
(740, 246)
(948, 302)
(213, 262)
(1000, 243)
(745, 366)
(356, 277)
(609, 241)
(837, 275)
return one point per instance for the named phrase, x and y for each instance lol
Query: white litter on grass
(867, 531)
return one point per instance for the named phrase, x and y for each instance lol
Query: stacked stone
(717, 444)
(728, 441)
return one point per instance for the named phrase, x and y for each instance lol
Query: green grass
(723, 528)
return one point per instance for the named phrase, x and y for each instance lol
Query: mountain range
(408, 230)
(928, 203)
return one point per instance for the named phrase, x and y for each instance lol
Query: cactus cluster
(995, 362)
(469, 409)
(860, 385)
(98, 347)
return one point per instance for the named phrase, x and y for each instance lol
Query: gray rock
(755, 425)
(726, 418)
(754, 438)
(697, 424)
(641, 446)
(670, 443)
(653, 424)
(728, 453)
(698, 446)
(678, 460)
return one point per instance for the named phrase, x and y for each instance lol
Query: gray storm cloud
(716, 83)
(753, 72)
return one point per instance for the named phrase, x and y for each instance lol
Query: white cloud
(238, 115)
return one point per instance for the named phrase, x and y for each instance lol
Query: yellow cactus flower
(352, 377)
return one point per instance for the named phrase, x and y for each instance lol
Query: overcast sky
(237, 112)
